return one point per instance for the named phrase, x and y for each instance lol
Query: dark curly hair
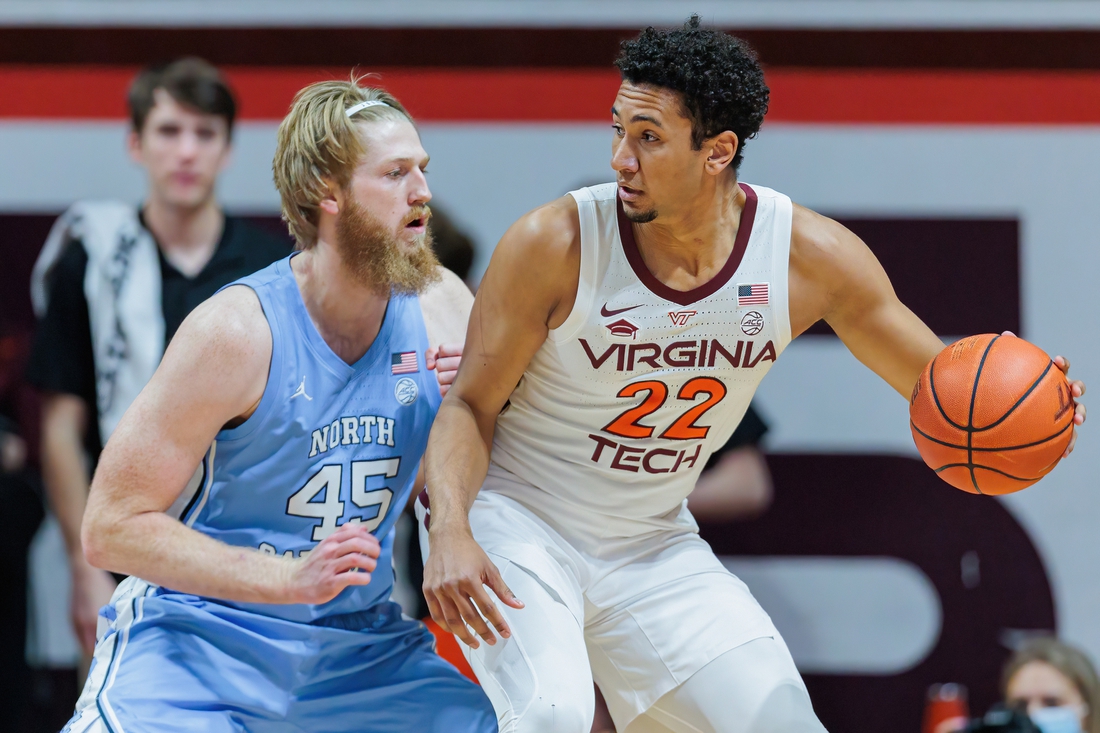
(717, 76)
(192, 82)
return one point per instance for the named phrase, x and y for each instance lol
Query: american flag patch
(753, 294)
(404, 363)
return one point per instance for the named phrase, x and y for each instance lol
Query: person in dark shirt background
(452, 245)
(182, 118)
(736, 483)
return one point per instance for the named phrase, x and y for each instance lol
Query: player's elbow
(95, 540)
(99, 536)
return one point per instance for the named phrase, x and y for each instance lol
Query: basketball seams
(936, 397)
(1047, 439)
(1012, 441)
(988, 449)
(937, 441)
(970, 419)
(1018, 402)
(972, 466)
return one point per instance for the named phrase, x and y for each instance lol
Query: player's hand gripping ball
(992, 414)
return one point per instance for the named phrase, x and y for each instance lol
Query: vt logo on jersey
(680, 318)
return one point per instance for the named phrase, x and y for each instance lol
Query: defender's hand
(346, 557)
(455, 577)
(444, 359)
(1077, 389)
(92, 589)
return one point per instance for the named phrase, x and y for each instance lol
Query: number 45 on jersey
(330, 509)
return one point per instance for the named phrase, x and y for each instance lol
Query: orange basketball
(991, 414)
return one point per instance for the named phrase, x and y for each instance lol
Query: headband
(364, 105)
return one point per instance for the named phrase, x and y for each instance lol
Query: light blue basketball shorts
(174, 662)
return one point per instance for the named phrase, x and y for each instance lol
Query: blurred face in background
(1038, 687)
(182, 150)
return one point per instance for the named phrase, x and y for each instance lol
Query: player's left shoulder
(820, 243)
(814, 233)
(830, 269)
(446, 305)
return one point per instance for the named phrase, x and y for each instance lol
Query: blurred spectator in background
(452, 246)
(20, 496)
(1056, 684)
(115, 280)
(736, 483)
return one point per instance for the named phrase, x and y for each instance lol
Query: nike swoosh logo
(605, 312)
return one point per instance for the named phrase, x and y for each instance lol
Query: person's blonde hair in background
(319, 146)
(1056, 683)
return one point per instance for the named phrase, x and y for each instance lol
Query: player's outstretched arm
(528, 289)
(835, 277)
(213, 374)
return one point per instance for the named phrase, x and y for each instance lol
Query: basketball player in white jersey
(637, 319)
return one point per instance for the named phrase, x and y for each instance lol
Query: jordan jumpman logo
(301, 391)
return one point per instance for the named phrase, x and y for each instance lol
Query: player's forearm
(161, 550)
(457, 460)
(892, 342)
(65, 476)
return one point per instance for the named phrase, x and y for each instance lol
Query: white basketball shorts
(638, 615)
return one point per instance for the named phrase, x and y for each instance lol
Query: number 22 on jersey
(629, 425)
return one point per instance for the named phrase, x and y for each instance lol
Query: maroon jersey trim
(687, 297)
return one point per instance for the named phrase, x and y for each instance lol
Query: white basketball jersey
(620, 408)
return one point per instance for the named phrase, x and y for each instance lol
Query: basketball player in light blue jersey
(260, 582)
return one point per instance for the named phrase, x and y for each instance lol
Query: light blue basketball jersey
(329, 443)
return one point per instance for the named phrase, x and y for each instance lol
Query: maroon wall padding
(558, 47)
(960, 276)
(21, 238)
(875, 506)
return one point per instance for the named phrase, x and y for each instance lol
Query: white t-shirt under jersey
(620, 408)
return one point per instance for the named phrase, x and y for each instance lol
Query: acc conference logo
(405, 391)
(752, 323)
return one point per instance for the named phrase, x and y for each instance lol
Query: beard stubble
(377, 259)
